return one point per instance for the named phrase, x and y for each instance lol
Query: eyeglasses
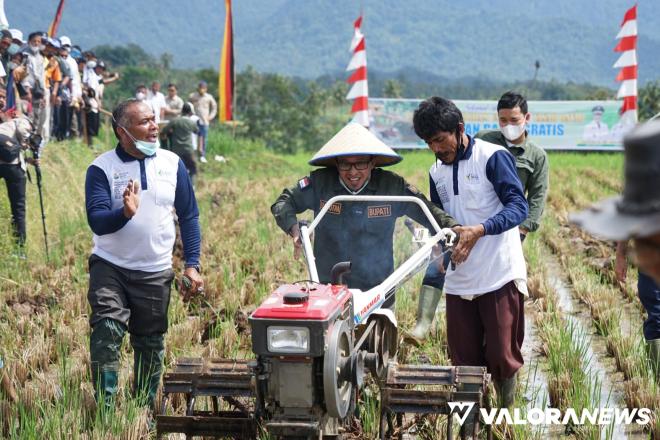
(360, 166)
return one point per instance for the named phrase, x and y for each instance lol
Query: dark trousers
(15, 179)
(123, 299)
(434, 277)
(188, 159)
(64, 113)
(649, 295)
(93, 120)
(488, 331)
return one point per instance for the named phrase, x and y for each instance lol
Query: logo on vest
(334, 209)
(472, 178)
(379, 211)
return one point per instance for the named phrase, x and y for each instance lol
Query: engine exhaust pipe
(338, 271)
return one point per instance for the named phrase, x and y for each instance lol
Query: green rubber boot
(428, 301)
(506, 391)
(105, 345)
(654, 356)
(148, 355)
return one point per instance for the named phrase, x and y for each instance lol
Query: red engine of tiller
(298, 387)
(294, 319)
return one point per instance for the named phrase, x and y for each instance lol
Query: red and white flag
(359, 91)
(627, 62)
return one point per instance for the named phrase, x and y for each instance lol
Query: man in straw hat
(476, 182)
(636, 215)
(358, 232)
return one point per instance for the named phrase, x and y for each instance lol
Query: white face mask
(512, 132)
(140, 96)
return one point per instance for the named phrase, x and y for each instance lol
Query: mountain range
(498, 39)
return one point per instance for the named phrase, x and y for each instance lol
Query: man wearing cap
(206, 108)
(75, 87)
(636, 215)
(596, 131)
(476, 182)
(359, 232)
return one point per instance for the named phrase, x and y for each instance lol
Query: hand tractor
(313, 345)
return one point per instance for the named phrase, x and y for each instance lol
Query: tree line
(290, 114)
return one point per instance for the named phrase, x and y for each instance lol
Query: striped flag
(52, 30)
(627, 62)
(359, 91)
(226, 79)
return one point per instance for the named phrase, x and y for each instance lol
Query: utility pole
(537, 66)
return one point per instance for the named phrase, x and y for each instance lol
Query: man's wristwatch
(197, 267)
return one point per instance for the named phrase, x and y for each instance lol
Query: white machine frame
(366, 303)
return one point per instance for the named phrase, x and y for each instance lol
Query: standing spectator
(75, 86)
(193, 117)
(14, 138)
(54, 78)
(636, 215)
(173, 103)
(5, 43)
(35, 81)
(157, 101)
(61, 114)
(93, 119)
(179, 133)
(106, 78)
(206, 108)
(476, 183)
(131, 194)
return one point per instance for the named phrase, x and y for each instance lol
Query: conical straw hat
(353, 140)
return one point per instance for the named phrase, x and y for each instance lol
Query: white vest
(146, 241)
(496, 259)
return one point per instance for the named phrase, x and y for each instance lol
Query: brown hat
(355, 140)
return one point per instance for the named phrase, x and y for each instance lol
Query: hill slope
(499, 39)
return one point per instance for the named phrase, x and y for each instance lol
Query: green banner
(554, 125)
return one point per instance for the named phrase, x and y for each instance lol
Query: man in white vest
(131, 193)
(476, 183)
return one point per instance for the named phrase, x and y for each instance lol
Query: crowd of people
(54, 83)
(56, 89)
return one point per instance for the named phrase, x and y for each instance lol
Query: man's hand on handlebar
(294, 232)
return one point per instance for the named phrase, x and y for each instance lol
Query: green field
(584, 344)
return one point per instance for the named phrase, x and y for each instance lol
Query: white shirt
(146, 241)
(157, 103)
(495, 260)
(76, 83)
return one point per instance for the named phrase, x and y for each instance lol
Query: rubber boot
(506, 391)
(148, 355)
(428, 301)
(472, 417)
(654, 356)
(105, 345)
